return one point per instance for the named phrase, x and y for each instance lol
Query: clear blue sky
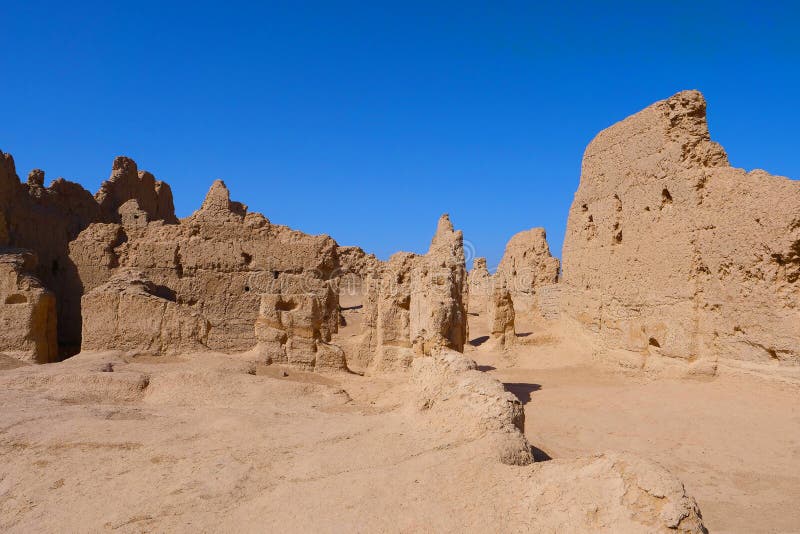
(368, 120)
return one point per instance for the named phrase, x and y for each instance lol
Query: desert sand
(219, 443)
(734, 440)
(216, 443)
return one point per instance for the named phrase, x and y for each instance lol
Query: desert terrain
(219, 443)
(220, 372)
(733, 440)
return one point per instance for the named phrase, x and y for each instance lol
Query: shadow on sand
(478, 341)
(539, 455)
(522, 390)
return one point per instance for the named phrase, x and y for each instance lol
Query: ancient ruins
(527, 266)
(415, 305)
(675, 264)
(673, 257)
(501, 315)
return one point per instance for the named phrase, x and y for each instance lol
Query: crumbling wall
(94, 253)
(355, 260)
(480, 286)
(291, 329)
(356, 269)
(449, 387)
(221, 259)
(128, 183)
(439, 293)
(527, 266)
(131, 313)
(548, 298)
(417, 304)
(27, 310)
(673, 256)
(46, 220)
(501, 316)
(214, 264)
(386, 320)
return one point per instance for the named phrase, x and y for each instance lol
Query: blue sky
(367, 120)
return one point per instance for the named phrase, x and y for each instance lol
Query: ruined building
(527, 266)
(480, 286)
(415, 304)
(673, 256)
(119, 270)
(502, 315)
(27, 310)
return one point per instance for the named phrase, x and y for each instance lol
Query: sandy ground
(214, 443)
(733, 440)
(209, 443)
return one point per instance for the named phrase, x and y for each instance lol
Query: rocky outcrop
(416, 304)
(526, 266)
(27, 310)
(130, 313)
(672, 256)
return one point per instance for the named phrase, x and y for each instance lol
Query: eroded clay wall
(672, 255)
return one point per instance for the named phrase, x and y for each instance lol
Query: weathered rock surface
(355, 260)
(220, 260)
(93, 252)
(128, 183)
(480, 286)
(27, 310)
(451, 386)
(214, 264)
(438, 314)
(417, 304)
(646, 497)
(386, 343)
(672, 255)
(132, 314)
(526, 266)
(291, 329)
(501, 316)
(47, 220)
